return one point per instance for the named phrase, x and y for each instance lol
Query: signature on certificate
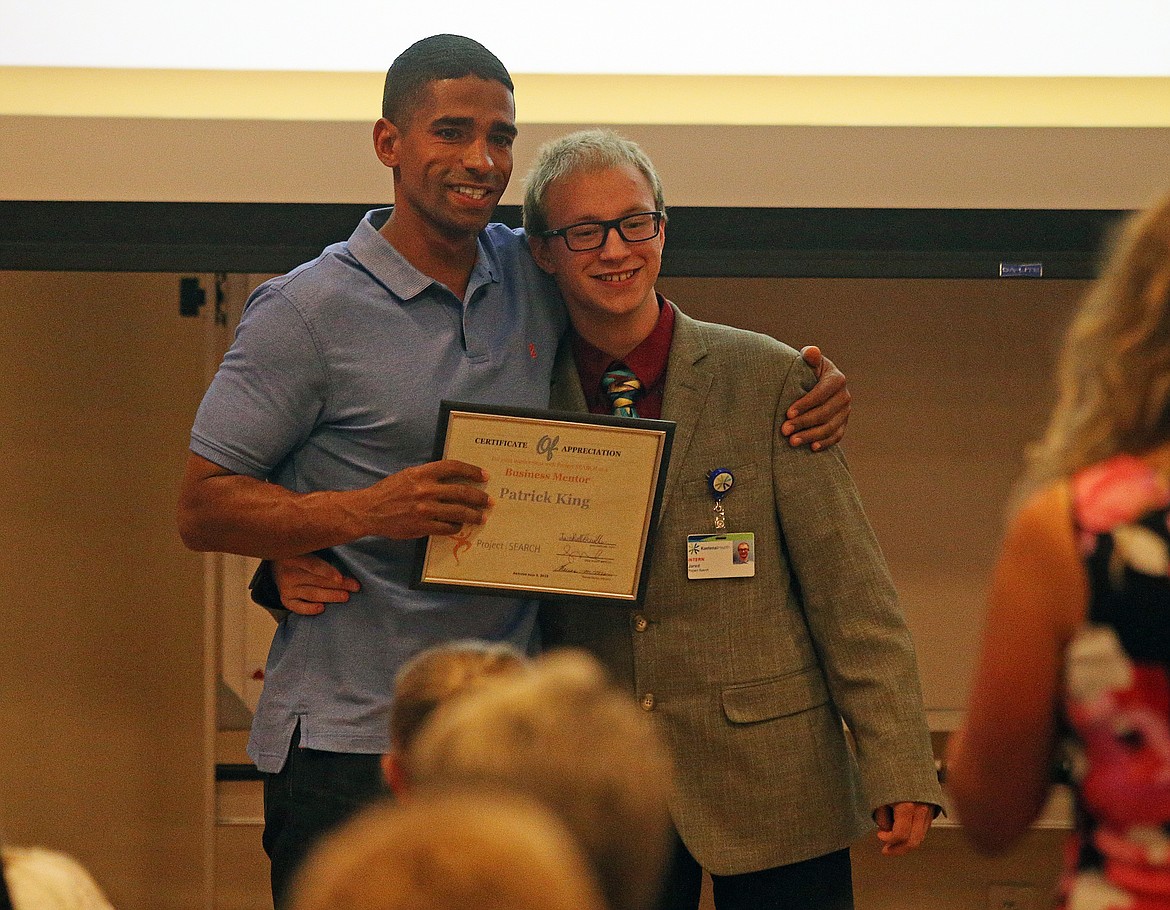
(570, 569)
(584, 560)
(593, 540)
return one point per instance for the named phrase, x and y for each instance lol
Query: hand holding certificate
(575, 499)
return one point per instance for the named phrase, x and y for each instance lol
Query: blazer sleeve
(853, 615)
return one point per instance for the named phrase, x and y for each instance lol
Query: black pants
(313, 793)
(823, 883)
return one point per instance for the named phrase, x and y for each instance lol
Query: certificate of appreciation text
(575, 500)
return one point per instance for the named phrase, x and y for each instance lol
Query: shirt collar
(378, 256)
(647, 360)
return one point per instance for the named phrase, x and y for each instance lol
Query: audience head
(1114, 371)
(429, 60)
(432, 677)
(454, 851)
(582, 151)
(45, 879)
(562, 734)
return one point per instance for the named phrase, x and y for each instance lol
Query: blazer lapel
(688, 383)
(565, 393)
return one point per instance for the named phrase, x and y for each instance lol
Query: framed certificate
(576, 497)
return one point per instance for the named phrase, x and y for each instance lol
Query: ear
(539, 247)
(386, 139)
(393, 772)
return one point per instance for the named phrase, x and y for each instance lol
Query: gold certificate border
(575, 498)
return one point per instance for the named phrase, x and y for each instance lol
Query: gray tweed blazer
(752, 677)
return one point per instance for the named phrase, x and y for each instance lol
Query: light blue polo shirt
(333, 382)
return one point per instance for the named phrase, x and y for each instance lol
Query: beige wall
(950, 380)
(102, 692)
(152, 159)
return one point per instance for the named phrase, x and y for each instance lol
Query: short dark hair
(431, 59)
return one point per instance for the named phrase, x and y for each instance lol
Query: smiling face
(452, 158)
(609, 291)
(744, 552)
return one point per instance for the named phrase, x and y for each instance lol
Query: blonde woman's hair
(1114, 367)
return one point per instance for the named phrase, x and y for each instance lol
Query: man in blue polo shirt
(316, 432)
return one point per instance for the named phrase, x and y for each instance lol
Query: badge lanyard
(720, 481)
(720, 555)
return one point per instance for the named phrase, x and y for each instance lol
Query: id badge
(721, 555)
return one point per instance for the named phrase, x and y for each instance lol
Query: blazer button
(647, 702)
(641, 624)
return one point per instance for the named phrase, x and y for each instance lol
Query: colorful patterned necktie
(622, 388)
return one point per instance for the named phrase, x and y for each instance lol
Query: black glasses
(591, 235)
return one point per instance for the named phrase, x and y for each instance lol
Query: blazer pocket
(780, 696)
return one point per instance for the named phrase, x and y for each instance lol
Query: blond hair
(455, 851)
(581, 152)
(1114, 366)
(437, 674)
(564, 735)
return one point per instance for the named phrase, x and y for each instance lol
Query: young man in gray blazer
(750, 667)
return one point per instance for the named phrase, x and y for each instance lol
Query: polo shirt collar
(379, 257)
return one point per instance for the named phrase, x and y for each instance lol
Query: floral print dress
(1117, 692)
